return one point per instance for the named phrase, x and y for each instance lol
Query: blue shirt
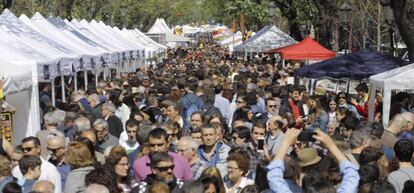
(277, 184)
(63, 170)
(214, 158)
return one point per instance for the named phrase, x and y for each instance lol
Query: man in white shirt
(130, 143)
(31, 146)
(222, 103)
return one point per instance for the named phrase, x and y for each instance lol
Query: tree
(404, 18)
(7, 4)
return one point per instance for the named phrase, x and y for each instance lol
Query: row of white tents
(39, 49)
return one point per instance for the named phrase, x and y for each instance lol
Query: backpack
(191, 109)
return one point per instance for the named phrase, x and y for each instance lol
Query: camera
(307, 136)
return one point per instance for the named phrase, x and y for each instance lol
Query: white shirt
(232, 109)
(223, 105)
(243, 183)
(123, 141)
(48, 172)
(123, 112)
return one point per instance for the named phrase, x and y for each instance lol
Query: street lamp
(124, 12)
(345, 15)
(271, 12)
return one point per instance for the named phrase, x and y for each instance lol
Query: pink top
(182, 168)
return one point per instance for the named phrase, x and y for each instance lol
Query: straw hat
(307, 157)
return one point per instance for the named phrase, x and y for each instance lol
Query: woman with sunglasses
(118, 161)
(342, 101)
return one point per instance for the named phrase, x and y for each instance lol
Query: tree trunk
(404, 18)
(69, 7)
(7, 4)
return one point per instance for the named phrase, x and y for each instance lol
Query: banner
(1, 89)
(7, 126)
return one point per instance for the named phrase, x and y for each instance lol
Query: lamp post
(345, 15)
(389, 19)
(124, 12)
(271, 12)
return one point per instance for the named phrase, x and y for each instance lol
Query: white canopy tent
(235, 38)
(269, 37)
(108, 37)
(21, 90)
(70, 30)
(138, 56)
(37, 49)
(160, 27)
(21, 36)
(399, 78)
(131, 34)
(84, 29)
(148, 39)
(84, 51)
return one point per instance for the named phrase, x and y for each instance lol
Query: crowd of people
(202, 122)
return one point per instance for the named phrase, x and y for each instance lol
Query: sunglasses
(239, 101)
(166, 168)
(27, 149)
(272, 106)
(341, 97)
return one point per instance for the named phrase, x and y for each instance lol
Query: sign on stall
(7, 126)
(325, 85)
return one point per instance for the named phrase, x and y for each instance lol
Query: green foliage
(142, 13)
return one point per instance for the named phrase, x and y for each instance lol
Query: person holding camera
(276, 168)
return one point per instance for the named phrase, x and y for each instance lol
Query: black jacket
(115, 126)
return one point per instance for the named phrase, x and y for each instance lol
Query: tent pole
(62, 82)
(86, 79)
(96, 78)
(75, 81)
(371, 105)
(283, 63)
(53, 92)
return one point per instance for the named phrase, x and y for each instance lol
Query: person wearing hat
(307, 157)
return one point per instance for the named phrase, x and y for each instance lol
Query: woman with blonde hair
(80, 159)
(214, 172)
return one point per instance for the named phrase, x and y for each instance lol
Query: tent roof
(307, 49)
(358, 65)
(159, 27)
(397, 78)
(403, 78)
(16, 78)
(269, 37)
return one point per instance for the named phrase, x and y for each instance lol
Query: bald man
(56, 146)
(400, 123)
(91, 135)
(275, 134)
(187, 147)
(43, 186)
(96, 188)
